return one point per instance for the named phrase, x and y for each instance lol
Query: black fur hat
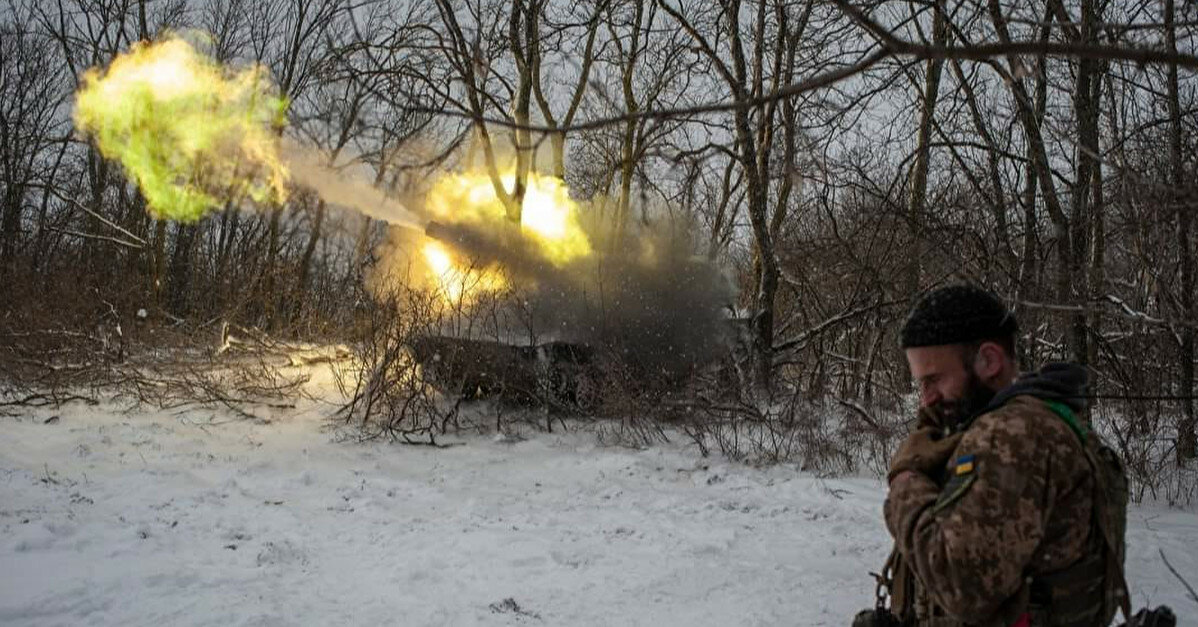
(957, 314)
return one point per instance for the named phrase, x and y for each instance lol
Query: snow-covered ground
(199, 518)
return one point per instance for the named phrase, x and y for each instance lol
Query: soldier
(1004, 507)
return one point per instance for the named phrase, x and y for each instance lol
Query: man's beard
(956, 412)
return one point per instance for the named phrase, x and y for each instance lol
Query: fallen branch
(50, 367)
(1189, 588)
(38, 399)
(863, 414)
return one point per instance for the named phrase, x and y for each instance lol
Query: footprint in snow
(509, 606)
(281, 553)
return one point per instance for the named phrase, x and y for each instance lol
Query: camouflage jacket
(1015, 501)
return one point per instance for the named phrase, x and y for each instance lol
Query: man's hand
(902, 476)
(925, 451)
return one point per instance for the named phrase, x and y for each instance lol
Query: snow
(199, 518)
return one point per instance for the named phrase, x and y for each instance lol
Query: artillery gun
(559, 375)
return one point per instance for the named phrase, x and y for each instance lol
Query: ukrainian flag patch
(964, 465)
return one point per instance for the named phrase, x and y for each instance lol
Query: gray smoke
(660, 311)
(310, 169)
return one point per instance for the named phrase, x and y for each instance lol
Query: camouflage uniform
(1014, 503)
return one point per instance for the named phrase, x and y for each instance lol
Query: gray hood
(1058, 381)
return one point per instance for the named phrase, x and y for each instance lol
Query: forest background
(834, 159)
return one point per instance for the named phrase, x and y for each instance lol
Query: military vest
(1091, 591)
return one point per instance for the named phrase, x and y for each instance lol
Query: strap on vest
(1100, 489)
(1066, 414)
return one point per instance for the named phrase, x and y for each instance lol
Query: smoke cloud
(309, 169)
(192, 134)
(197, 135)
(657, 306)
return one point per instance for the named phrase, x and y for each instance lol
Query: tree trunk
(628, 145)
(9, 227)
(521, 137)
(1029, 120)
(1187, 437)
(1085, 106)
(229, 220)
(1097, 275)
(919, 170)
(159, 264)
(627, 168)
(266, 296)
(1029, 269)
(301, 289)
(180, 270)
(755, 161)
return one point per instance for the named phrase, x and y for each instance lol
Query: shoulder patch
(959, 482)
(963, 465)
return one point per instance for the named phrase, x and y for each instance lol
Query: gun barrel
(439, 231)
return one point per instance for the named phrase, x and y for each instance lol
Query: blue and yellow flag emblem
(964, 465)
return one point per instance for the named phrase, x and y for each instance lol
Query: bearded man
(1001, 515)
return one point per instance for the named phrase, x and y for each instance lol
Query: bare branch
(1189, 588)
(138, 242)
(104, 238)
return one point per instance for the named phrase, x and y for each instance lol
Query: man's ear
(988, 361)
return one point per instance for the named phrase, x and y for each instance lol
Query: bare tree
(1187, 432)
(31, 98)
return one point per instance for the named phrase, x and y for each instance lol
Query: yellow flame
(550, 222)
(437, 258)
(459, 285)
(550, 217)
(192, 134)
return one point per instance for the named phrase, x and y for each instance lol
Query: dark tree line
(839, 157)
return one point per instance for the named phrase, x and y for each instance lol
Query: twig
(104, 238)
(37, 399)
(48, 478)
(985, 52)
(140, 243)
(1123, 312)
(889, 47)
(864, 415)
(1193, 595)
(816, 82)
